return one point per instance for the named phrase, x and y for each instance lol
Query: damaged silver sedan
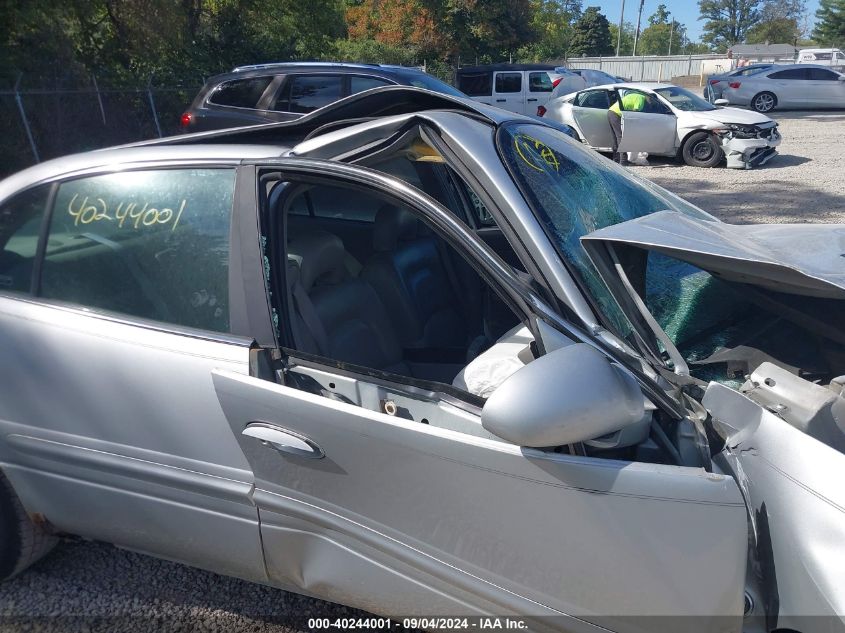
(422, 356)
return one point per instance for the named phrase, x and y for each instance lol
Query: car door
(509, 90)
(109, 423)
(826, 89)
(789, 86)
(539, 90)
(589, 110)
(417, 513)
(654, 130)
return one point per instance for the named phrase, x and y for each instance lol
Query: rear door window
(360, 84)
(306, 93)
(792, 73)
(820, 74)
(599, 99)
(241, 93)
(508, 82)
(20, 225)
(540, 82)
(478, 84)
(150, 244)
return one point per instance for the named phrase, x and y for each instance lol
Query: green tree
(660, 16)
(727, 21)
(778, 31)
(830, 23)
(502, 26)
(626, 44)
(552, 22)
(591, 34)
(780, 22)
(655, 38)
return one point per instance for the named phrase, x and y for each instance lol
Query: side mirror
(570, 395)
(721, 102)
(841, 78)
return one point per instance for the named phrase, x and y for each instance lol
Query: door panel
(648, 132)
(529, 532)
(538, 90)
(509, 91)
(112, 431)
(594, 126)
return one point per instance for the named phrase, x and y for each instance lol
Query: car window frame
(832, 74)
(591, 90)
(475, 94)
(270, 89)
(245, 305)
(804, 71)
(499, 73)
(494, 271)
(648, 96)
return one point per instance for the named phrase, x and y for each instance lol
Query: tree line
(174, 39)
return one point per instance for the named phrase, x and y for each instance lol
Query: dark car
(263, 93)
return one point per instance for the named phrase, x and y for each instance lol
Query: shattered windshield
(573, 192)
(685, 100)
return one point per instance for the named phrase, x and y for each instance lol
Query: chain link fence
(42, 119)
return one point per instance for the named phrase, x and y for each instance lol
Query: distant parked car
(597, 77)
(792, 86)
(567, 82)
(822, 57)
(674, 122)
(265, 93)
(717, 83)
(520, 88)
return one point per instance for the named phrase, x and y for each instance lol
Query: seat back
(418, 289)
(346, 319)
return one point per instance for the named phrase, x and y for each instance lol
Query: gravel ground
(93, 587)
(805, 183)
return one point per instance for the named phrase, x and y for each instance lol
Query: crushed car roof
(364, 106)
(262, 141)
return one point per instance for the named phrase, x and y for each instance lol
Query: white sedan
(674, 122)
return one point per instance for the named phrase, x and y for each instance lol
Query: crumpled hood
(733, 115)
(801, 259)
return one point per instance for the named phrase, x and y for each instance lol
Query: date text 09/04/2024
(425, 623)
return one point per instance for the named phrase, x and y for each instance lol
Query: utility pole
(671, 32)
(619, 34)
(637, 33)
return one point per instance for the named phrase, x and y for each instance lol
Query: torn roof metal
(376, 103)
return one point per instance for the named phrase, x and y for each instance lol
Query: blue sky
(685, 12)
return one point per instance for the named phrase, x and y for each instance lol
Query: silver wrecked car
(422, 356)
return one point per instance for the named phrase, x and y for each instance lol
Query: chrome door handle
(283, 440)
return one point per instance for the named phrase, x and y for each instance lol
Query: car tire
(764, 102)
(702, 150)
(22, 542)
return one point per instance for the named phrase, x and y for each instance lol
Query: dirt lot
(805, 183)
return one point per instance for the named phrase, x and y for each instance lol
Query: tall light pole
(619, 34)
(637, 33)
